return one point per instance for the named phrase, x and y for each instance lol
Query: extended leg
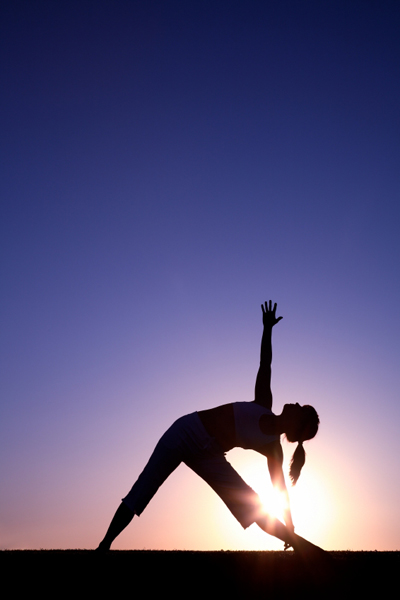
(243, 502)
(161, 464)
(121, 519)
(317, 559)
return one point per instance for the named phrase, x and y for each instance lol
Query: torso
(248, 431)
(220, 424)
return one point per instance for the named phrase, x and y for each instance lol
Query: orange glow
(311, 503)
(312, 509)
(274, 503)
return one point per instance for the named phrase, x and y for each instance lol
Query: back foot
(317, 561)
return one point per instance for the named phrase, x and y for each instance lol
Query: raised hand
(269, 318)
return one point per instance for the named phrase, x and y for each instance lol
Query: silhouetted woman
(201, 439)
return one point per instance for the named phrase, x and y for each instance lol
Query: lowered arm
(275, 460)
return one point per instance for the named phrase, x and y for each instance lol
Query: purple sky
(165, 168)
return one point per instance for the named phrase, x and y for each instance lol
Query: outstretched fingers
(269, 313)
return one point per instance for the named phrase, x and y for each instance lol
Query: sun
(274, 503)
(310, 503)
(253, 468)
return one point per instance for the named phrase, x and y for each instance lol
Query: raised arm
(263, 394)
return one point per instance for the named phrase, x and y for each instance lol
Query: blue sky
(167, 167)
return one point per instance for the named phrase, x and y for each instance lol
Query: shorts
(187, 441)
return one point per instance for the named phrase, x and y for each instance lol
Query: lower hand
(287, 545)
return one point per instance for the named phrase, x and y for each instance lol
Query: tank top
(247, 428)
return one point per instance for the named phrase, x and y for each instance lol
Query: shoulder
(260, 407)
(266, 405)
(252, 409)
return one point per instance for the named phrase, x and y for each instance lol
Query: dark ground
(185, 574)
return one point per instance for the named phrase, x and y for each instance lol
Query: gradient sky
(167, 166)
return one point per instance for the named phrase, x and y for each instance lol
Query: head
(301, 424)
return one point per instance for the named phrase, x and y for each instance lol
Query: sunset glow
(166, 168)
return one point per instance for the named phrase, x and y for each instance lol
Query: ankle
(103, 546)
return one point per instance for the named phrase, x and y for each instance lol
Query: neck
(272, 424)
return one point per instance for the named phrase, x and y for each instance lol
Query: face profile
(301, 422)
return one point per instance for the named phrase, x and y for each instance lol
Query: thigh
(240, 498)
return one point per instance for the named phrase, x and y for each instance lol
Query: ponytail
(297, 462)
(307, 428)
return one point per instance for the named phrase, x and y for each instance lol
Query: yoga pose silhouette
(201, 439)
